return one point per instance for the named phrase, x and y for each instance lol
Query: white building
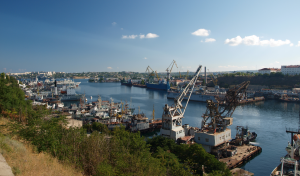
(268, 70)
(25, 73)
(290, 69)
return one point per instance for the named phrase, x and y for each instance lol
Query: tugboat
(243, 136)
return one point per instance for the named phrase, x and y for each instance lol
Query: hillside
(285, 82)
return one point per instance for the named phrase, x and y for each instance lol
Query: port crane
(187, 75)
(150, 73)
(172, 115)
(214, 79)
(218, 115)
(169, 69)
(156, 75)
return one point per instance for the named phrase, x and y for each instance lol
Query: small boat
(243, 136)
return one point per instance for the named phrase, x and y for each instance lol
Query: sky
(128, 35)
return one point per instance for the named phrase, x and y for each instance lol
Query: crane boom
(170, 70)
(150, 73)
(214, 80)
(220, 115)
(179, 99)
(172, 115)
(157, 75)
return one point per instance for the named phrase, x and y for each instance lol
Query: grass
(25, 161)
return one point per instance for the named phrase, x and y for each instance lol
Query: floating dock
(243, 155)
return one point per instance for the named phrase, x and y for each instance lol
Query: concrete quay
(5, 169)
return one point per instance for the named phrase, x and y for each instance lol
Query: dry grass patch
(25, 161)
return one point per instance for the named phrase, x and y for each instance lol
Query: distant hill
(286, 82)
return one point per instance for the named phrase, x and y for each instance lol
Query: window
(199, 138)
(206, 139)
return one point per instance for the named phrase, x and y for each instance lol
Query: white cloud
(129, 36)
(210, 40)
(291, 44)
(276, 62)
(145, 58)
(234, 41)
(150, 35)
(254, 40)
(114, 23)
(298, 43)
(251, 40)
(201, 32)
(109, 68)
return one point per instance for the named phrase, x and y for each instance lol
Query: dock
(251, 100)
(243, 155)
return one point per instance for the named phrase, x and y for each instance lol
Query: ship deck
(244, 153)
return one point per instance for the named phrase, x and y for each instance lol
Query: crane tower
(172, 115)
(214, 132)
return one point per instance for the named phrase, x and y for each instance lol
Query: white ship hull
(194, 97)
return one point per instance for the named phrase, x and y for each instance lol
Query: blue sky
(94, 35)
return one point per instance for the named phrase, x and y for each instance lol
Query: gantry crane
(169, 69)
(187, 75)
(156, 75)
(214, 79)
(150, 73)
(172, 115)
(217, 117)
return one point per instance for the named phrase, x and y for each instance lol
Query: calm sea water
(268, 119)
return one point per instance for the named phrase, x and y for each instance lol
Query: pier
(243, 155)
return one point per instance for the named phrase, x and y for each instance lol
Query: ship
(139, 85)
(243, 136)
(162, 85)
(289, 163)
(67, 82)
(126, 83)
(195, 96)
(75, 97)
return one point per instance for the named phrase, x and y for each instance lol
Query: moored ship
(158, 86)
(194, 96)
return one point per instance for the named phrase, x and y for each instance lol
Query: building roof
(291, 66)
(265, 69)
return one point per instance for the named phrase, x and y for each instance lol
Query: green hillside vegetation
(274, 80)
(104, 152)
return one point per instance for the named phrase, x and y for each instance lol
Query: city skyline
(101, 36)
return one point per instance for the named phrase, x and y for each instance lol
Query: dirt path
(5, 169)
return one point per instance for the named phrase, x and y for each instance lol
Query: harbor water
(268, 119)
